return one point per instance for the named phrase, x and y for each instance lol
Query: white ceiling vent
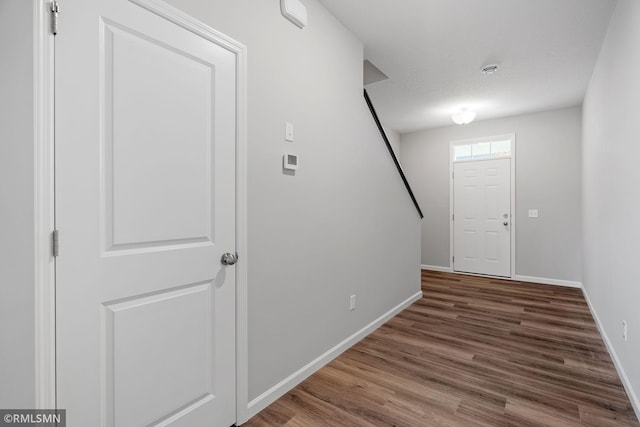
(489, 69)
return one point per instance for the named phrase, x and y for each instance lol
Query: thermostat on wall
(290, 161)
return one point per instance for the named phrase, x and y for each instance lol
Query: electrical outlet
(624, 330)
(352, 302)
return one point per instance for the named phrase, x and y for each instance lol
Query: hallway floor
(472, 351)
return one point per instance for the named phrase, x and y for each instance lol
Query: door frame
(452, 144)
(44, 201)
(44, 213)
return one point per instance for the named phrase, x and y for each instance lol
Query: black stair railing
(393, 154)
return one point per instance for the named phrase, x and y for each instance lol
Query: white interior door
(145, 208)
(482, 217)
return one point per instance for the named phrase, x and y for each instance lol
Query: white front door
(145, 117)
(482, 217)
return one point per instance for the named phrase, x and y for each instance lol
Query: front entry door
(145, 207)
(482, 217)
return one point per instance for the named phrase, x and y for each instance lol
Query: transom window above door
(482, 150)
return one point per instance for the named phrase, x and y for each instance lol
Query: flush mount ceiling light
(463, 117)
(489, 69)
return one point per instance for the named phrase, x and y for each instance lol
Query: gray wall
(314, 238)
(611, 175)
(326, 233)
(394, 140)
(547, 178)
(17, 315)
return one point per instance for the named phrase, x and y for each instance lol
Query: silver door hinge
(55, 236)
(453, 217)
(453, 259)
(55, 10)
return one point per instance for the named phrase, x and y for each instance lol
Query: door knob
(505, 223)
(229, 259)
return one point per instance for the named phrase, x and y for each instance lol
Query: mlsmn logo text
(32, 418)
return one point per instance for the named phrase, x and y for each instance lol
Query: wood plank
(472, 351)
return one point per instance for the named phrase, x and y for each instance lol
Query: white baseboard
(268, 397)
(546, 281)
(542, 280)
(436, 268)
(633, 398)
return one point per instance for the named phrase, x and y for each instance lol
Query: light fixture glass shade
(463, 117)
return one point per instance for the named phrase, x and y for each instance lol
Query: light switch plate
(533, 213)
(288, 132)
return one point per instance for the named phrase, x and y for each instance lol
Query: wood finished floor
(472, 351)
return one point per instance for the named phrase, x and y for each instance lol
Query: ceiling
(433, 50)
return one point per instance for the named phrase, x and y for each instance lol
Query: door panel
(482, 198)
(177, 326)
(145, 205)
(169, 128)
